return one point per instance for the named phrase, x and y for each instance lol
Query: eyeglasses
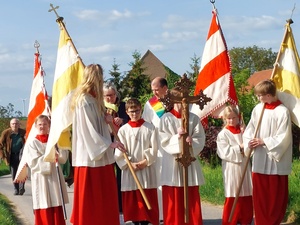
(135, 111)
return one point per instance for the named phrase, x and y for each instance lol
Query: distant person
(170, 132)
(230, 149)
(47, 188)
(153, 111)
(115, 107)
(140, 140)
(12, 141)
(95, 186)
(112, 101)
(272, 155)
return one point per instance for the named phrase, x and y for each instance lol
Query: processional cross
(54, 9)
(185, 158)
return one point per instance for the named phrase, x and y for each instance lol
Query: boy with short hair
(272, 154)
(139, 138)
(47, 185)
(170, 132)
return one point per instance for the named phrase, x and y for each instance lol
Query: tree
(6, 113)
(171, 77)
(136, 82)
(245, 94)
(252, 58)
(116, 75)
(9, 111)
(195, 67)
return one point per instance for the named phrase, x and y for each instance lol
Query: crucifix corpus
(185, 158)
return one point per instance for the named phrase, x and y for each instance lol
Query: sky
(108, 30)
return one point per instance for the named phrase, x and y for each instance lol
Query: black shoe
(16, 192)
(22, 191)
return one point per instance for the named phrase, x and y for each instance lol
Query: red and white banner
(38, 102)
(215, 77)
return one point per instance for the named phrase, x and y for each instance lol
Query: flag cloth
(215, 77)
(286, 75)
(38, 104)
(67, 77)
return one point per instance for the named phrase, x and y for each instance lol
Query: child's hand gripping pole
(131, 168)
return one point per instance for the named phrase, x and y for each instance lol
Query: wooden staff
(63, 205)
(131, 168)
(60, 21)
(246, 166)
(185, 158)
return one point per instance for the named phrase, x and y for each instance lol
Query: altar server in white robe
(45, 185)
(170, 130)
(95, 188)
(230, 149)
(140, 140)
(272, 154)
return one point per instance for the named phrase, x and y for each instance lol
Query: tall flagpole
(60, 187)
(61, 23)
(246, 165)
(144, 196)
(289, 22)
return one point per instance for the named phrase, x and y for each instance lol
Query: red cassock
(96, 189)
(135, 208)
(243, 212)
(173, 205)
(49, 216)
(269, 206)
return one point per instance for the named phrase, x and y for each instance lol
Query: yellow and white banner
(68, 75)
(286, 75)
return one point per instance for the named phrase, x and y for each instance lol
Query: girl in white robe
(230, 149)
(95, 188)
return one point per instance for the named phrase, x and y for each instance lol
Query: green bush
(4, 169)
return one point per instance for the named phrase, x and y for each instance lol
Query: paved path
(211, 214)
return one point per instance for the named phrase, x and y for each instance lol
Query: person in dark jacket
(12, 141)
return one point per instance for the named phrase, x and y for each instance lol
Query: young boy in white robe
(272, 154)
(230, 149)
(140, 140)
(46, 191)
(170, 132)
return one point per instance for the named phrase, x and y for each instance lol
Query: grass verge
(4, 169)
(7, 214)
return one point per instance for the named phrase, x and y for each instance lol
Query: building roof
(154, 67)
(259, 76)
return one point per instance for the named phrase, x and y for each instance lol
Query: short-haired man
(11, 142)
(153, 111)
